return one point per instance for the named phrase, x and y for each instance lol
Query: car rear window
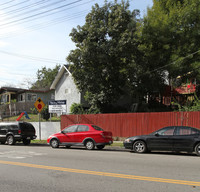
(97, 128)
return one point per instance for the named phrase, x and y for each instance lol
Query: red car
(87, 135)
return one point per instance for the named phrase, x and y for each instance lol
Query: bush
(45, 113)
(76, 109)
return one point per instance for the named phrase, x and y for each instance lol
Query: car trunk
(27, 129)
(107, 134)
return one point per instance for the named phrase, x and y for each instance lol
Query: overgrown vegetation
(193, 105)
(117, 52)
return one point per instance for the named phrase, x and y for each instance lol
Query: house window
(67, 91)
(21, 97)
(4, 98)
(31, 97)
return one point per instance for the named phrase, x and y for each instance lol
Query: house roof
(59, 75)
(10, 89)
(20, 90)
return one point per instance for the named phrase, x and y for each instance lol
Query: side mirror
(156, 134)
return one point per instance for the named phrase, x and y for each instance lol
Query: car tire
(54, 143)
(89, 145)
(100, 146)
(139, 147)
(10, 140)
(26, 141)
(197, 149)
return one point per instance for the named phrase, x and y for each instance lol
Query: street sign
(39, 105)
(58, 106)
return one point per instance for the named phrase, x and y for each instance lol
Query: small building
(13, 101)
(65, 89)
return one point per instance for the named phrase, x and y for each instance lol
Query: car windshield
(164, 131)
(97, 128)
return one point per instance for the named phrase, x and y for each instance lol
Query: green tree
(170, 37)
(105, 46)
(45, 77)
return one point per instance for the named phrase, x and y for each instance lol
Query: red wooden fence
(130, 124)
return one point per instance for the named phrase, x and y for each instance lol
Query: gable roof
(59, 75)
(10, 89)
(21, 90)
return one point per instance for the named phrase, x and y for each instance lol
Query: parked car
(172, 138)
(87, 135)
(11, 132)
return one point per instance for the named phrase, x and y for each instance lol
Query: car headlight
(127, 140)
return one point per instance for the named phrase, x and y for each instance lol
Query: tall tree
(105, 46)
(45, 77)
(170, 37)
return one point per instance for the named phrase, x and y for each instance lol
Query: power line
(50, 23)
(16, 4)
(42, 26)
(33, 57)
(41, 13)
(7, 2)
(25, 7)
(174, 62)
(33, 10)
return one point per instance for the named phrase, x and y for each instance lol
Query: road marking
(106, 174)
(19, 154)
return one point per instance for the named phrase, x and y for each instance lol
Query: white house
(65, 88)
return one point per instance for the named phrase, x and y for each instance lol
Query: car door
(3, 132)
(81, 133)
(161, 139)
(184, 138)
(67, 134)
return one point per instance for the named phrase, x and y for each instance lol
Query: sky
(35, 34)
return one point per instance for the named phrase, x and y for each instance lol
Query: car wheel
(139, 147)
(26, 141)
(54, 143)
(89, 145)
(10, 140)
(100, 146)
(197, 149)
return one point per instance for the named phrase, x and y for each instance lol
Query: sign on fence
(58, 106)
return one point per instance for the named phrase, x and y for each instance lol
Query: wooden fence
(130, 124)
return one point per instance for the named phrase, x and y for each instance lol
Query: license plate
(28, 138)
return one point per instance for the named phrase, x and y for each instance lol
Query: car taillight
(19, 131)
(103, 135)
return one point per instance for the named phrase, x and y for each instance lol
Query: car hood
(55, 135)
(137, 136)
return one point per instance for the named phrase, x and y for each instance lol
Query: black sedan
(172, 138)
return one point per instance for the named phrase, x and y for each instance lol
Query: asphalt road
(41, 169)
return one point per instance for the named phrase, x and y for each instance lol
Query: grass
(33, 118)
(39, 141)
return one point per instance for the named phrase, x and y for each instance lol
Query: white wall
(47, 129)
(67, 90)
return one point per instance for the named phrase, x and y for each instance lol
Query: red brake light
(102, 135)
(19, 131)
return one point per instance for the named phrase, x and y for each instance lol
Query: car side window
(184, 131)
(166, 131)
(82, 128)
(195, 131)
(187, 131)
(70, 129)
(3, 127)
(14, 127)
